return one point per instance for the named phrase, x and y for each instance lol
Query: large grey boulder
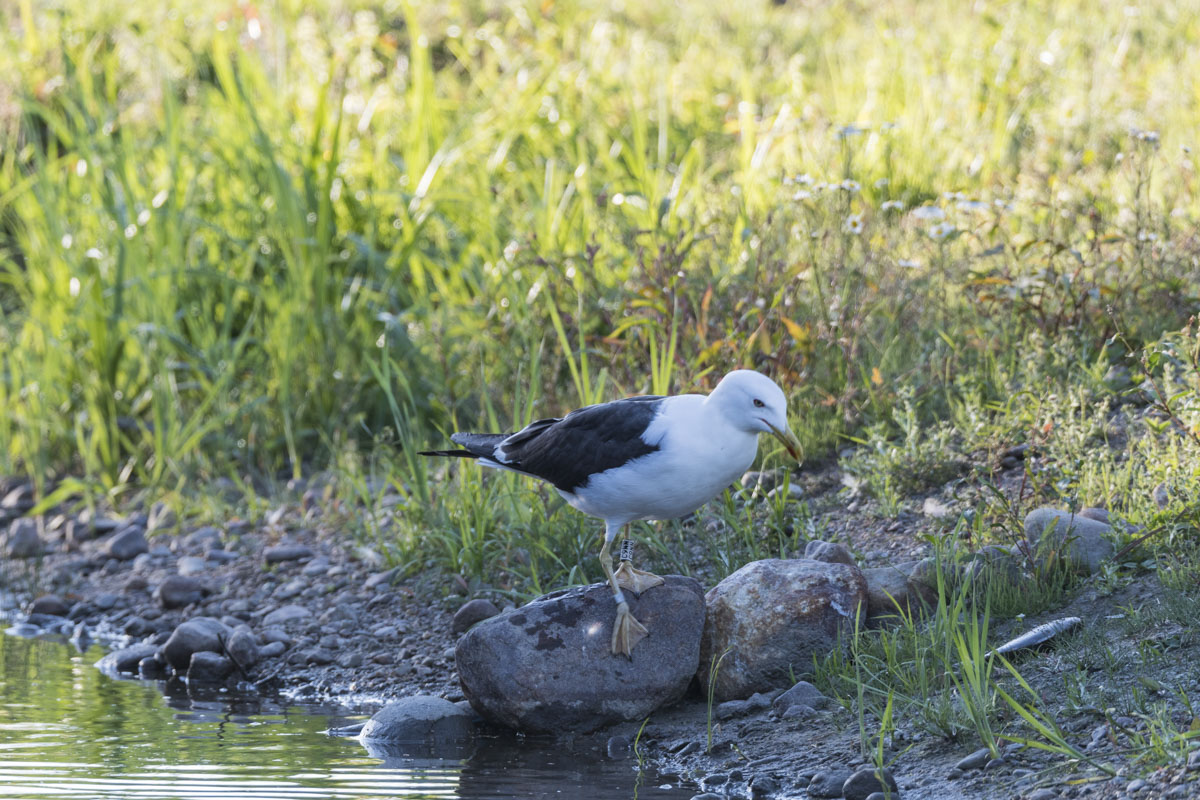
(420, 718)
(767, 621)
(197, 635)
(1083, 543)
(548, 666)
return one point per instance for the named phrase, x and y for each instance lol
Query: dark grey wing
(568, 451)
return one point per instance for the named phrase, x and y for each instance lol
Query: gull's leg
(627, 631)
(635, 580)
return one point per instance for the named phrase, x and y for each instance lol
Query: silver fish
(1038, 635)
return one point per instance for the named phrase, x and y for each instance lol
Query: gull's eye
(759, 403)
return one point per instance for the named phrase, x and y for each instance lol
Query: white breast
(699, 455)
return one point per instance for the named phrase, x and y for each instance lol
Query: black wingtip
(450, 453)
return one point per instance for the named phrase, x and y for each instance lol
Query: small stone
(975, 760)
(22, 540)
(1043, 794)
(272, 650)
(191, 565)
(420, 718)
(179, 591)
(802, 693)
(995, 763)
(202, 539)
(151, 668)
(1084, 543)
(799, 711)
(869, 780)
(763, 786)
(220, 556)
(730, 709)
(208, 667)
(617, 748)
(472, 612)
(828, 783)
(1161, 495)
(290, 589)
(242, 648)
(106, 601)
(127, 544)
(830, 552)
(318, 656)
(125, 661)
(268, 635)
(287, 552)
(759, 481)
(794, 493)
(351, 660)
(318, 566)
(386, 578)
(385, 632)
(50, 604)
(285, 615)
(200, 634)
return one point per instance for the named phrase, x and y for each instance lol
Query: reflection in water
(68, 731)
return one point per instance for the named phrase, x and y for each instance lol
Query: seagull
(645, 457)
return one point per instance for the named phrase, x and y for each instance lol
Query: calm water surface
(66, 730)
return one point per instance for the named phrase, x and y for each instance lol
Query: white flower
(888, 205)
(929, 213)
(802, 194)
(953, 196)
(1146, 136)
(846, 131)
(849, 186)
(853, 224)
(882, 183)
(804, 179)
(510, 250)
(941, 231)
(909, 263)
(971, 205)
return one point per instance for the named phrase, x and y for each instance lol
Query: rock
(1161, 495)
(242, 649)
(828, 783)
(763, 786)
(50, 604)
(830, 552)
(127, 544)
(385, 578)
(18, 500)
(202, 539)
(290, 589)
(191, 565)
(106, 601)
(287, 552)
(472, 612)
(803, 693)
(867, 781)
(151, 669)
(125, 660)
(1083, 543)
(974, 761)
(769, 619)
(1098, 514)
(207, 667)
(272, 650)
(220, 556)
(420, 718)
(197, 635)
(178, 591)
(759, 481)
(286, 614)
(548, 666)
(888, 591)
(22, 540)
(617, 748)
(794, 493)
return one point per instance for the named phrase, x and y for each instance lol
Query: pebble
(287, 552)
(318, 655)
(207, 667)
(22, 540)
(828, 783)
(272, 649)
(127, 544)
(178, 591)
(802, 693)
(220, 556)
(763, 786)
(286, 614)
(471, 613)
(106, 601)
(191, 565)
(290, 589)
(202, 539)
(1136, 785)
(50, 604)
(269, 635)
(867, 781)
(974, 761)
(617, 748)
(1043, 794)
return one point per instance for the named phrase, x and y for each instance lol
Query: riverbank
(352, 631)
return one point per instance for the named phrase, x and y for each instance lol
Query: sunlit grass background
(258, 241)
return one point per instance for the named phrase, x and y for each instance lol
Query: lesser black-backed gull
(642, 458)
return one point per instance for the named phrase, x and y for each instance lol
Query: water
(66, 730)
